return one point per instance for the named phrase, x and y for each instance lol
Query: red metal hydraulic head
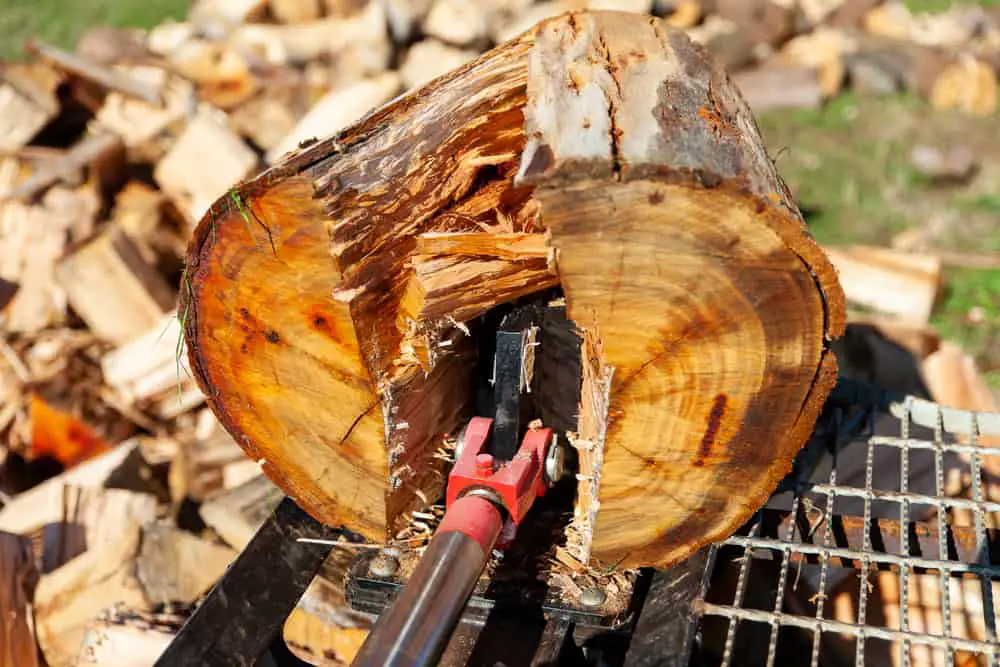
(517, 483)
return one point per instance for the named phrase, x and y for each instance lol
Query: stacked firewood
(123, 500)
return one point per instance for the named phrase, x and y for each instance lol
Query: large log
(333, 328)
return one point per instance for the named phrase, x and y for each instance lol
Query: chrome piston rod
(416, 629)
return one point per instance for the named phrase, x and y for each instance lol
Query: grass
(848, 165)
(845, 173)
(935, 6)
(61, 22)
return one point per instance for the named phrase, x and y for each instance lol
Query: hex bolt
(383, 565)
(593, 597)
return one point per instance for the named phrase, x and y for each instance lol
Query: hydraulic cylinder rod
(416, 629)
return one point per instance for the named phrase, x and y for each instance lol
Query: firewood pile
(122, 500)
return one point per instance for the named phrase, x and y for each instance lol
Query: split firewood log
(332, 306)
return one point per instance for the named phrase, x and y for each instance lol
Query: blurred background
(121, 121)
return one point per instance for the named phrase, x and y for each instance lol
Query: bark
(332, 304)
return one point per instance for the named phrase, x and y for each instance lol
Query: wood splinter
(331, 303)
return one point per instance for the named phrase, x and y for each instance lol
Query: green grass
(965, 290)
(848, 165)
(61, 22)
(843, 174)
(935, 6)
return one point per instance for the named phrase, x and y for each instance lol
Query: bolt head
(383, 565)
(555, 463)
(593, 597)
(484, 464)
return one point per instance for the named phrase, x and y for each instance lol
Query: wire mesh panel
(884, 552)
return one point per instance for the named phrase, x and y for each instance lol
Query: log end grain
(333, 302)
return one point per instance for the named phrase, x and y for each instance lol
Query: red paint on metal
(517, 483)
(476, 518)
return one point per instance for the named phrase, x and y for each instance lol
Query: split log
(104, 77)
(207, 158)
(323, 629)
(317, 642)
(137, 121)
(679, 13)
(780, 86)
(18, 647)
(237, 513)
(47, 502)
(175, 566)
(267, 118)
(34, 239)
(222, 74)
(458, 22)
(925, 611)
(405, 17)
(126, 638)
(823, 49)
(338, 109)
(295, 11)
(108, 46)
(27, 102)
(359, 44)
(89, 152)
(429, 59)
(227, 12)
(762, 21)
(888, 281)
(967, 85)
(705, 308)
(724, 39)
(150, 372)
(208, 462)
(152, 220)
(113, 289)
(140, 569)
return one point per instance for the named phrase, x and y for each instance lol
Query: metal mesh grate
(895, 562)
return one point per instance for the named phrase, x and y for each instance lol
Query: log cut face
(685, 260)
(329, 302)
(321, 324)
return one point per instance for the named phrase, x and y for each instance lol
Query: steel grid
(955, 433)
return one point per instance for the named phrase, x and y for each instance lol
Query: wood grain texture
(329, 301)
(681, 252)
